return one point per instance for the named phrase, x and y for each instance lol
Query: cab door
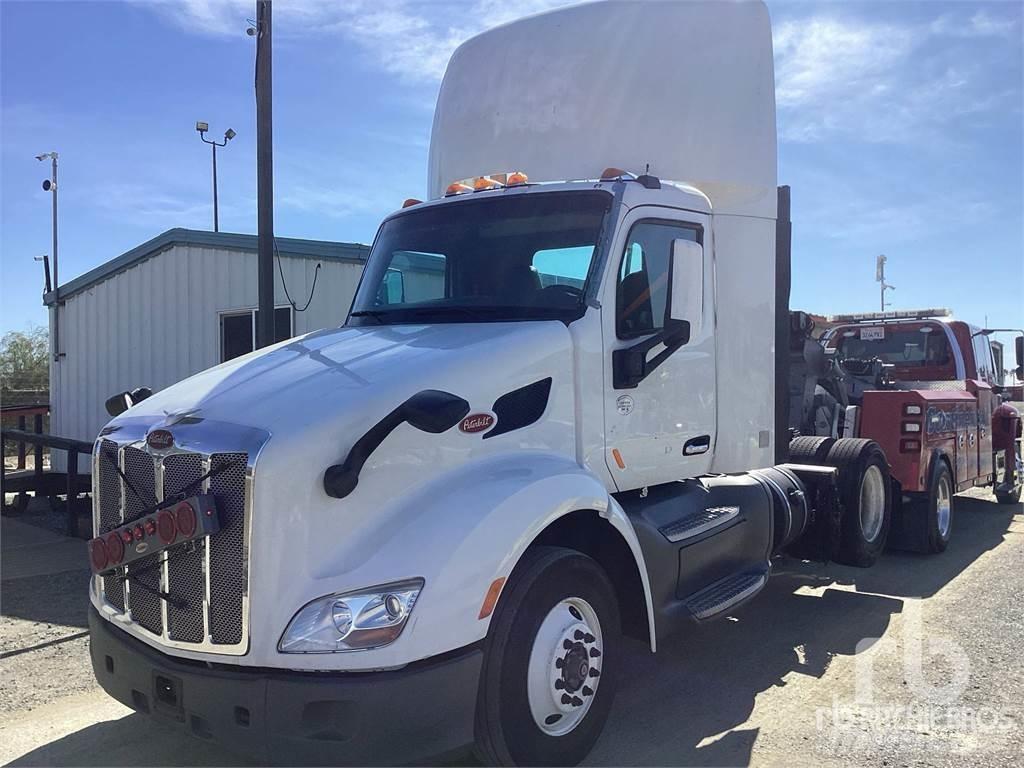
(659, 427)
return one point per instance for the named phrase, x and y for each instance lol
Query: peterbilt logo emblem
(160, 439)
(141, 547)
(476, 422)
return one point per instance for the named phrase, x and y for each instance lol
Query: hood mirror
(122, 401)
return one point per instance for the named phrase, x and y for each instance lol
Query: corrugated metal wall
(159, 322)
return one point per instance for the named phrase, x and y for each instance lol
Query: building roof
(286, 246)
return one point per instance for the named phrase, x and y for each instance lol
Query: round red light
(165, 527)
(98, 554)
(126, 534)
(185, 516)
(139, 533)
(115, 548)
(150, 527)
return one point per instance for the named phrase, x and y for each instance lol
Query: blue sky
(900, 132)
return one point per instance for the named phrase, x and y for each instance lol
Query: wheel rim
(565, 666)
(944, 506)
(872, 503)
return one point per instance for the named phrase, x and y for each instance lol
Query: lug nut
(559, 685)
(578, 635)
(577, 701)
(588, 638)
(588, 691)
(567, 644)
(559, 663)
(595, 672)
(594, 653)
(566, 698)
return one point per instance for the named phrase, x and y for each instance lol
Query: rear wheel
(1012, 495)
(1009, 497)
(550, 661)
(810, 450)
(865, 492)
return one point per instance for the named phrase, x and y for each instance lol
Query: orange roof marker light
(515, 178)
(410, 201)
(614, 173)
(486, 182)
(457, 188)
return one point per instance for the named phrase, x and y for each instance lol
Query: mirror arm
(630, 365)
(430, 410)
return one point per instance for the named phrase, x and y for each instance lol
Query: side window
(983, 358)
(643, 277)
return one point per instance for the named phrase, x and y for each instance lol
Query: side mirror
(686, 298)
(434, 411)
(392, 288)
(122, 401)
(119, 403)
(1018, 350)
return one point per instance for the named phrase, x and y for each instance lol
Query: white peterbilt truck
(555, 416)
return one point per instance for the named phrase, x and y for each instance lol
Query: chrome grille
(143, 575)
(208, 577)
(185, 570)
(109, 490)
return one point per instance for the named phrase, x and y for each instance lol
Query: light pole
(50, 185)
(880, 278)
(229, 134)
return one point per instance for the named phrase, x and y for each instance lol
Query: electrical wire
(280, 271)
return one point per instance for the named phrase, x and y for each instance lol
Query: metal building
(175, 305)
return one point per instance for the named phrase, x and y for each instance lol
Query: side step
(724, 594)
(703, 521)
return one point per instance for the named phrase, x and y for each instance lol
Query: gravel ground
(793, 678)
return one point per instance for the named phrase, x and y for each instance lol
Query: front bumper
(423, 711)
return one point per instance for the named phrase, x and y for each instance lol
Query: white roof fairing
(684, 87)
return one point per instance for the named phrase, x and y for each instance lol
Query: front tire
(550, 662)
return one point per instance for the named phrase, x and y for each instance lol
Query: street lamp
(229, 134)
(50, 185)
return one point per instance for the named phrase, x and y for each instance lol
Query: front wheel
(550, 661)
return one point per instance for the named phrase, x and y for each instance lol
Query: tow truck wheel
(549, 662)
(808, 449)
(866, 495)
(939, 509)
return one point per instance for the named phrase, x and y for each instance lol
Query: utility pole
(50, 185)
(264, 174)
(880, 279)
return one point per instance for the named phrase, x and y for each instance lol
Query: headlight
(351, 621)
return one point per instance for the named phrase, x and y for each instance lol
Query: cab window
(643, 276)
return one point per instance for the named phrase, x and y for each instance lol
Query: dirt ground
(796, 677)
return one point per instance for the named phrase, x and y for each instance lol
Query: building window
(238, 331)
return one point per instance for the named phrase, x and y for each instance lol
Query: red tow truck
(928, 390)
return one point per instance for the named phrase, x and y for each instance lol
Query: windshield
(902, 347)
(500, 257)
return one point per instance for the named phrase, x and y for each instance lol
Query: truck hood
(307, 401)
(307, 379)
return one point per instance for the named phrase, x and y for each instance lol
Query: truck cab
(549, 421)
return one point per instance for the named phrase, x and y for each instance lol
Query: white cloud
(835, 75)
(887, 83)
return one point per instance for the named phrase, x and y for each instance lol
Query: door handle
(697, 445)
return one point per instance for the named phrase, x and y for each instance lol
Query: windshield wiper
(374, 313)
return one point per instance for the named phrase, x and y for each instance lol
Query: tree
(25, 366)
